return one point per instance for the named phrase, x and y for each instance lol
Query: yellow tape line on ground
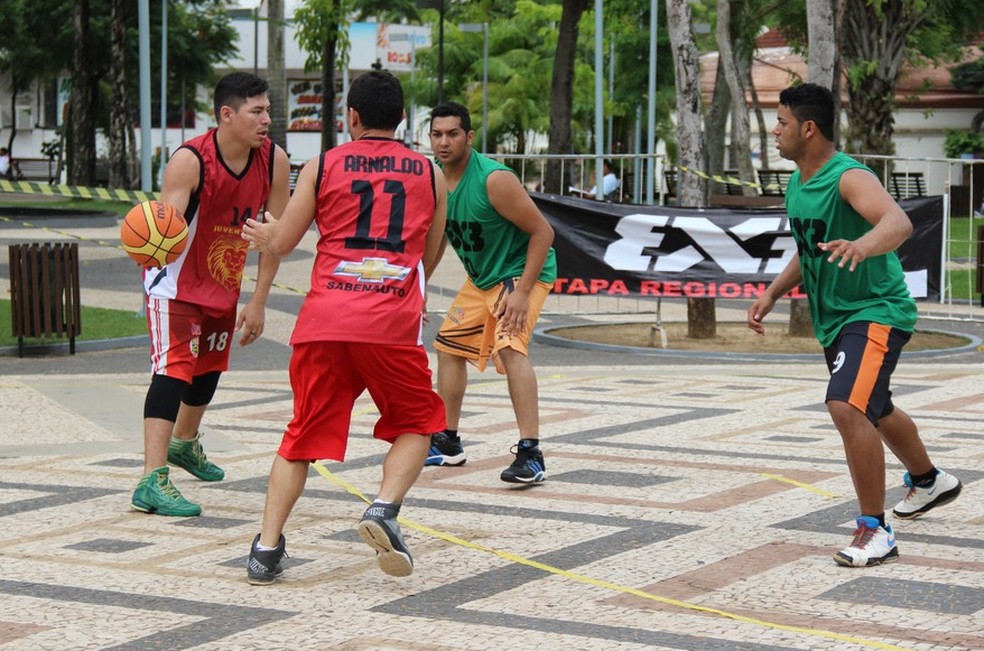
(76, 191)
(809, 487)
(728, 179)
(580, 578)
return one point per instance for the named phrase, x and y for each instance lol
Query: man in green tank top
(847, 229)
(504, 243)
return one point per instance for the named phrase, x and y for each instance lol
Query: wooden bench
(33, 169)
(774, 182)
(44, 292)
(733, 189)
(903, 185)
(670, 179)
(295, 170)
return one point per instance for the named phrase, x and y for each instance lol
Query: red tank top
(375, 204)
(210, 270)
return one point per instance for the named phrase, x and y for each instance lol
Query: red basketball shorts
(328, 376)
(185, 342)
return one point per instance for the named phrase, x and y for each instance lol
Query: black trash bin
(44, 292)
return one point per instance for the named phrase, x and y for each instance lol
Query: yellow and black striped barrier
(136, 196)
(76, 191)
(730, 180)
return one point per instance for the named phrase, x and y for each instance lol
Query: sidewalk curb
(61, 346)
(543, 335)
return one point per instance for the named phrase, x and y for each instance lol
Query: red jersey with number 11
(375, 203)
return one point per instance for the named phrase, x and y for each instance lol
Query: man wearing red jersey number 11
(217, 181)
(379, 209)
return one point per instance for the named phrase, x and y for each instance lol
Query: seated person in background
(609, 185)
(5, 169)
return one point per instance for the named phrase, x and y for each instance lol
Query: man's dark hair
(377, 97)
(608, 163)
(453, 110)
(811, 102)
(235, 88)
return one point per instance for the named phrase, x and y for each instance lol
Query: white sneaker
(917, 501)
(872, 545)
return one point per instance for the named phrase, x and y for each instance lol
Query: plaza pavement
(692, 503)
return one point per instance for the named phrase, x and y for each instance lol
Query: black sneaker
(445, 451)
(264, 566)
(379, 529)
(528, 468)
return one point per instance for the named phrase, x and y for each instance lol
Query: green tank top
(875, 291)
(491, 248)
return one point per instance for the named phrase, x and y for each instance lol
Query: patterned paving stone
(108, 545)
(918, 595)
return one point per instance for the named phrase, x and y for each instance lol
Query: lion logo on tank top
(226, 260)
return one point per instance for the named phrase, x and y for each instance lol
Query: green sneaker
(190, 456)
(156, 494)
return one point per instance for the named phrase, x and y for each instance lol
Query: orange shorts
(328, 376)
(185, 342)
(471, 329)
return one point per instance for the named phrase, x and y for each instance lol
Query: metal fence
(959, 181)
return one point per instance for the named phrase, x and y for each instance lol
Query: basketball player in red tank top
(380, 212)
(217, 181)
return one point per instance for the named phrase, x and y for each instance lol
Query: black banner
(632, 250)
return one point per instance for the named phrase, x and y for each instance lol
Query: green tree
(199, 37)
(23, 55)
(878, 37)
(970, 76)
(322, 33)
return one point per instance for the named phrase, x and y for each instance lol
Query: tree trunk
(740, 133)
(83, 152)
(763, 130)
(822, 69)
(118, 177)
(800, 323)
(328, 128)
(717, 122)
(692, 189)
(559, 139)
(701, 318)
(276, 73)
(821, 34)
(874, 43)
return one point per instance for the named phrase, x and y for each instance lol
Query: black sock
(451, 433)
(880, 517)
(529, 444)
(925, 480)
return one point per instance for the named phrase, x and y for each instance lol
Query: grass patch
(962, 242)
(97, 323)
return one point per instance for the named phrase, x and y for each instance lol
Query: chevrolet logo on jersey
(371, 270)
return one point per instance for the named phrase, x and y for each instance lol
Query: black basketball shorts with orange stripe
(861, 362)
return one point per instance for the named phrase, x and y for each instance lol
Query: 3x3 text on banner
(631, 250)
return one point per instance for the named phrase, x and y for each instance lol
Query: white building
(38, 112)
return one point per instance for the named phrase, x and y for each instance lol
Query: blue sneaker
(945, 489)
(872, 545)
(445, 451)
(528, 467)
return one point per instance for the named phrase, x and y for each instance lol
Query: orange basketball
(154, 234)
